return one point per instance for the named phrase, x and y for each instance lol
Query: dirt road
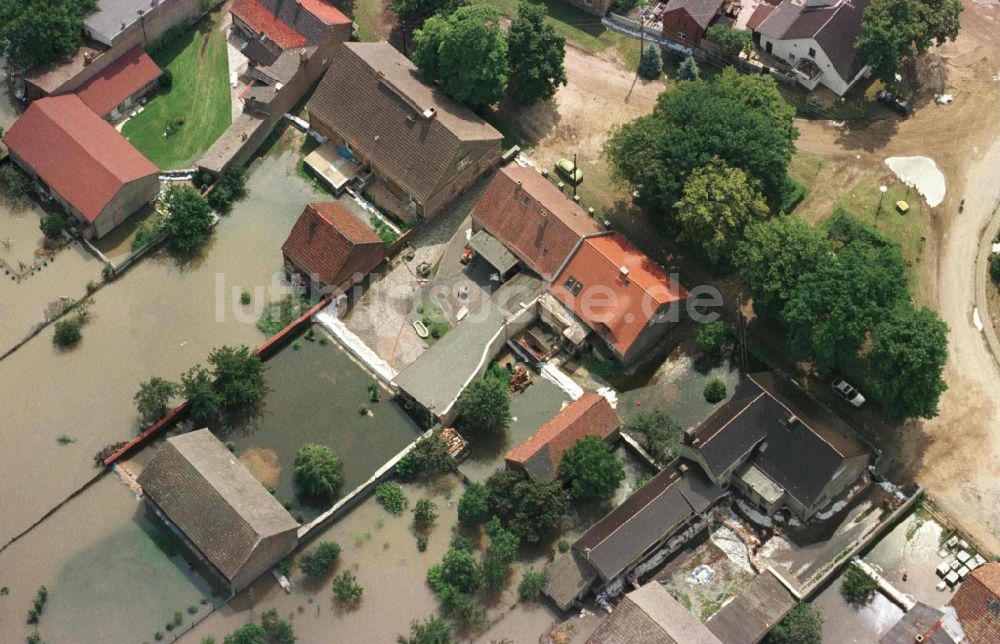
(955, 456)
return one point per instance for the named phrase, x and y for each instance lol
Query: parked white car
(848, 392)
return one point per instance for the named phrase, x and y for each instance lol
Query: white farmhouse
(816, 39)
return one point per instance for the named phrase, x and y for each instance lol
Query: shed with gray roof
(650, 615)
(218, 508)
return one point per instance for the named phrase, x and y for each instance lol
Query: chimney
(590, 211)
(381, 74)
(303, 56)
(919, 638)
(791, 421)
(123, 23)
(683, 468)
(623, 274)
(586, 552)
(88, 57)
(544, 220)
(430, 113)
(312, 226)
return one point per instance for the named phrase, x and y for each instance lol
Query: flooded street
(8, 106)
(160, 318)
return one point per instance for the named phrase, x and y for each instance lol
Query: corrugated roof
(118, 81)
(618, 304)
(331, 243)
(213, 499)
(374, 97)
(589, 415)
(533, 218)
(754, 612)
(652, 513)
(701, 11)
(977, 604)
(650, 615)
(76, 152)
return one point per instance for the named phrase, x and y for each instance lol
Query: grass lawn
(200, 95)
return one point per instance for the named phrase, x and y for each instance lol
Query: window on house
(768, 47)
(577, 288)
(812, 52)
(464, 161)
(569, 283)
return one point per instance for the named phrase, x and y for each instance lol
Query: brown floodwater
(160, 318)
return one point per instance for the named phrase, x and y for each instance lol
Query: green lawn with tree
(199, 95)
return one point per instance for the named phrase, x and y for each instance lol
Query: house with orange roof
(330, 248)
(113, 91)
(977, 604)
(540, 455)
(86, 165)
(623, 296)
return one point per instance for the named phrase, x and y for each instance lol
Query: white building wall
(793, 50)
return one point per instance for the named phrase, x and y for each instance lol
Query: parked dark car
(898, 103)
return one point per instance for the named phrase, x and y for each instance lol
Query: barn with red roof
(119, 85)
(85, 164)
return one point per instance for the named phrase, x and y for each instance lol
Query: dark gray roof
(107, 20)
(262, 51)
(701, 11)
(800, 456)
(754, 612)
(373, 96)
(569, 577)
(652, 513)
(650, 615)
(493, 251)
(285, 65)
(834, 27)
(213, 499)
(296, 16)
(921, 620)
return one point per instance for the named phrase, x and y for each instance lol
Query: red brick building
(685, 21)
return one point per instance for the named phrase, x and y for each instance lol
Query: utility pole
(574, 181)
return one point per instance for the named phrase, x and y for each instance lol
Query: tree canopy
(535, 53)
(239, 375)
(909, 350)
(732, 41)
(738, 118)
(189, 218)
(718, 202)
(38, 32)
(590, 470)
(895, 32)
(465, 53)
(802, 625)
(415, 12)
(433, 630)
(484, 405)
(318, 471)
(527, 508)
(657, 432)
(152, 398)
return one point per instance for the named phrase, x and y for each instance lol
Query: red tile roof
(326, 12)
(759, 14)
(533, 219)
(263, 21)
(331, 243)
(617, 304)
(541, 453)
(977, 604)
(118, 81)
(76, 153)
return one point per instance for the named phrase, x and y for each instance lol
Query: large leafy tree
(528, 508)
(484, 405)
(738, 118)
(732, 41)
(535, 53)
(153, 397)
(415, 12)
(719, 201)
(833, 308)
(239, 375)
(433, 630)
(590, 470)
(189, 218)
(657, 432)
(774, 254)
(895, 32)
(802, 625)
(465, 53)
(499, 556)
(318, 471)
(909, 350)
(37, 32)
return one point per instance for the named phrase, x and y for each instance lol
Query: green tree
(802, 625)
(318, 471)
(688, 70)
(590, 470)
(732, 41)
(52, 225)
(895, 32)
(738, 118)
(276, 629)
(833, 308)
(532, 584)
(499, 556)
(230, 187)
(391, 496)
(153, 396)
(774, 254)
(465, 53)
(37, 32)
(68, 332)
(909, 350)
(247, 634)
(239, 375)
(650, 63)
(14, 184)
(535, 55)
(715, 390)
(995, 268)
(718, 203)
(429, 457)
(528, 508)
(711, 339)
(346, 588)
(433, 630)
(188, 223)
(424, 514)
(415, 12)
(856, 586)
(484, 406)
(474, 506)
(460, 569)
(657, 432)
(199, 391)
(319, 561)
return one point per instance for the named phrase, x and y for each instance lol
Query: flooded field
(112, 574)
(315, 393)
(163, 316)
